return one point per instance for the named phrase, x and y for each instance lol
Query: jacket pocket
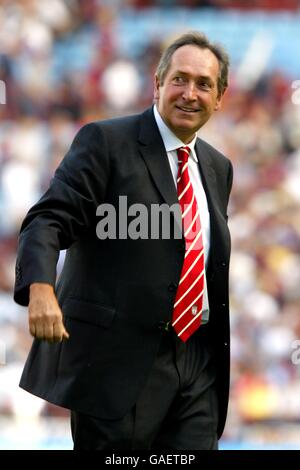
(88, 312)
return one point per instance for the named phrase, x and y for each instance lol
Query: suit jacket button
(164, 326)
(172, 287)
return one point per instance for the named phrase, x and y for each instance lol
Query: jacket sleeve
(64, 212)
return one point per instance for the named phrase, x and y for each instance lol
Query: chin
(184, 124)
(186, 135)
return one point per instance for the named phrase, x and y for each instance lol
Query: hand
(45, 316)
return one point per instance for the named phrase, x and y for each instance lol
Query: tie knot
(183, 154)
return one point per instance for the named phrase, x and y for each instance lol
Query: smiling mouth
(187, 110)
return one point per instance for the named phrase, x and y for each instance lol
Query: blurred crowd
(222, 4)
(48, 99)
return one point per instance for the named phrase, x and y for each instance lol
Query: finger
(32, 329)
(48, 332)
(39, 330)
(66, 335)
(58, 332)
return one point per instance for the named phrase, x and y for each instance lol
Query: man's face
(189, 94)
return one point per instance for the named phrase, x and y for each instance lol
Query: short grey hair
(198, 39)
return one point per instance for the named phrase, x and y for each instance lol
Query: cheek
(171, 95)
(168, 99)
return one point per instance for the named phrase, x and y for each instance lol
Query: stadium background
(66, 62)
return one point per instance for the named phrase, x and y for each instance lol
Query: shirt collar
(171, 142)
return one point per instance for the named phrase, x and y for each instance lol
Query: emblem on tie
(194, 309)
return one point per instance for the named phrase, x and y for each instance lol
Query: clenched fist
(45, 316)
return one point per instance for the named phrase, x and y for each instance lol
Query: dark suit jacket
(115, 292)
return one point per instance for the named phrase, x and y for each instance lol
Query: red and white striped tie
(188, 304)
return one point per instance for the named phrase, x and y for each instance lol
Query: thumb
(65, 334)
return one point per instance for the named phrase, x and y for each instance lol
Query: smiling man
(133, 337)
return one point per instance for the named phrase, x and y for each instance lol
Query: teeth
(188, 110)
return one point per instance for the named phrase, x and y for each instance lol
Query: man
(137, 344)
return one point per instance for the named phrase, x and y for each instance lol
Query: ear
(218, 104)
(219, 101)
(156, 88)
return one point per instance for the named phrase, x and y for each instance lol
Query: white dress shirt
(172, 143)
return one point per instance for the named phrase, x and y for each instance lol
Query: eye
(178, 80)
(205, 85)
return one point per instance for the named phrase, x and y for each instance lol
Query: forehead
(194, 61)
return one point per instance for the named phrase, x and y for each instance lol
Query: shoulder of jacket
(211, 150)
(118, 122)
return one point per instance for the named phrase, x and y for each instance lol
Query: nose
(190, 92)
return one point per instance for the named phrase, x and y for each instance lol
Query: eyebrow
(201, 77)
(207, 78)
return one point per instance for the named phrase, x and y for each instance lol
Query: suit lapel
(208, 175)
(155, 157)
(209, 179)
(219, 231)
